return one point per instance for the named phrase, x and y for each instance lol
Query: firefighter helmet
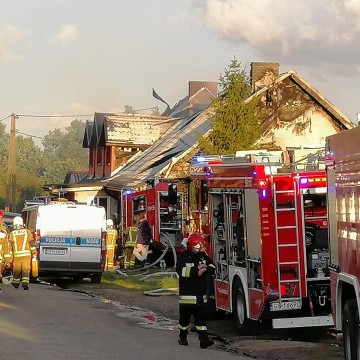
(18, 221)
(194, 241)
(109, 223)
(1, 213)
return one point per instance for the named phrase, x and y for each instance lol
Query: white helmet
(18, 221)
(109, 223)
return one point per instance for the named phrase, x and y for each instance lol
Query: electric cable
(5, 118)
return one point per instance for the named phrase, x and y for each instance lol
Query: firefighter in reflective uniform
(111, 238)
(5, 255)
(3, 226)
(22, 246)
(192, 267)
(130, 237)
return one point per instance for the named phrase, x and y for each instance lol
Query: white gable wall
(315, 132)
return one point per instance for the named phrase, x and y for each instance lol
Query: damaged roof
(181, 136)
(125, 128)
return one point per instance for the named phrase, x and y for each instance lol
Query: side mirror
(172, 194)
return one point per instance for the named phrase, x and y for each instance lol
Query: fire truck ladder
(294, 265)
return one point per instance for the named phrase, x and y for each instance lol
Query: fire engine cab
(268, 237)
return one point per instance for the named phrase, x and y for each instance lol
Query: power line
(49, 116)
(32, 136)
(5, 118)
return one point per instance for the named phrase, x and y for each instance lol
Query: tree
(237, 119)
(63, 151)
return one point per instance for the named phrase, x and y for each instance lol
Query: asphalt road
(48, 323)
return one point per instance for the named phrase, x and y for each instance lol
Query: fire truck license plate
(288, 305)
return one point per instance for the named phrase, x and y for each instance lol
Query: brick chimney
(263, 74)
(202, 99)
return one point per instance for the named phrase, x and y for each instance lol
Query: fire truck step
(290, 298)
(289, 263)
(287, 209)
(286, 227)
(285, 192)
(287, 245)
(290, 281)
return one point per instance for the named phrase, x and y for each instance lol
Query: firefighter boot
(25, 286)
(205, 342)
(183, 338)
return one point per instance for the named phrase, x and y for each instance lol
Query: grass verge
(137, 280)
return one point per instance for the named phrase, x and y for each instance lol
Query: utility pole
(10, 203)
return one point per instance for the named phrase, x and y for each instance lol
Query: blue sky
(65, 57)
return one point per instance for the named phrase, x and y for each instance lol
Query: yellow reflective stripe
(111, 247)
(22, 253)
(186, 269)
(129, 244)
(132, 236)
(187, 299)
(111, 236)
(183, 327)
(19, 233)
(33, 248)
(24, 241)
(201, 328)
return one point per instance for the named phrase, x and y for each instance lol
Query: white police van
(70, 238)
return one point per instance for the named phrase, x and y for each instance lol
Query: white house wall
(319, 125)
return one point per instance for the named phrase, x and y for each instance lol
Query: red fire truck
(268, 235)
(161, 204)
(343, 176)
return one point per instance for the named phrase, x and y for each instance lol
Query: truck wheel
(96, 279)
(239, 306)
(350, 325)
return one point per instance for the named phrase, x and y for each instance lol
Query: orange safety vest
(22, 243)
(111, 236)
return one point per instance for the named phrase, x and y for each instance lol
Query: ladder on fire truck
(294, 264)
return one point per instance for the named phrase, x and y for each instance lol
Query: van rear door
(87, 224)
(55, 240)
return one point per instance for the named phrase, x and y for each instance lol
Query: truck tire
(350, 325)
(96, 278)
(239, 306)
